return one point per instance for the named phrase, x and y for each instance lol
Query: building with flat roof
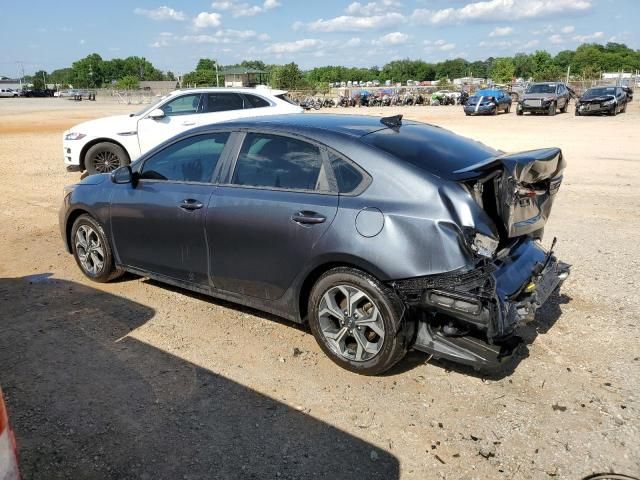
(244, 77)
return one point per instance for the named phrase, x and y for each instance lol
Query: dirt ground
(138, 380)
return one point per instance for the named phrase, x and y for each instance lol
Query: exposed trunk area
(517, 190)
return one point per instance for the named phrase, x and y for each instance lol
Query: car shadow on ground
(87, 401)
(545, 318)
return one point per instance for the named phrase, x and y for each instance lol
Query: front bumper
(479, 110)
(543, 107)
(594, 109)
(485, 306)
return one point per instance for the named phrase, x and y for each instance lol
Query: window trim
(248, 102)
(222, 160)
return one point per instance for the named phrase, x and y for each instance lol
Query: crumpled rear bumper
(484, 306)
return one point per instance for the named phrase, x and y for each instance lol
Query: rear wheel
(92, 251)
(105, 157)
(508, 109)
(357, 321)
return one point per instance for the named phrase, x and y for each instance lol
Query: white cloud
(588, 38)
(501, 32)
(353, 42)
(556, 39)
(499, 10)
(244, 9)
(293, 47)
(82, 42)
(220, 37)
(568, 29)
(206, 20)
(348, 23)
(271, 4)
(441, 45)
(161, 13)
(394, 38)
(371, 8)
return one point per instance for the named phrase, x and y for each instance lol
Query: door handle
(187, 123)
(190, 204)
(307, 217)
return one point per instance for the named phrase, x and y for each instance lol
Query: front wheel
(519, 111)
(508, 109)
(565, 107)
(92, 250)
(357, 321)
(552, 109)
(105, 158)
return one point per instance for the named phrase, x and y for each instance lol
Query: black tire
(95, 237)
(508, 109)
(105, 157)
(392, 348)
(495, 110)
(577, 113)
(565, 107)
(519, 111)
(552, 109)
(614, 111)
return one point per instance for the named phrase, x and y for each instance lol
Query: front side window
(184, 105)
(224, 102)
(275, 161)
(190, 160)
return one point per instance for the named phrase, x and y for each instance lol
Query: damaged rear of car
(499, 203)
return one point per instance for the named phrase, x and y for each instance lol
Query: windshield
(596, 92)
(542, 88)
(150, 107)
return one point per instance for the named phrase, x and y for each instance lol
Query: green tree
(525, 65)
(503, 70)
(88, 72)
(128, 82)
(38, 79)
(288, 77)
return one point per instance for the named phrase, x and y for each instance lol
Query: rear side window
(190, 160)
(275, 161)
(256, 102)
(223, 102)
(348, 177)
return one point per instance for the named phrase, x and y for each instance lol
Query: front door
(263, 225)
(158, 224)
(180, 113)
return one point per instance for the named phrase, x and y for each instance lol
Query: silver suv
(545, 97)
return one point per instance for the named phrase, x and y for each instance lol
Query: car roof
(263, 91)
(350, 125)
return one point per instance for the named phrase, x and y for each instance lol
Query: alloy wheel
(89, 249)
(351, 323)
(106, 161)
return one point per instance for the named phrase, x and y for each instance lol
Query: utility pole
(568, 70)
(217, 78)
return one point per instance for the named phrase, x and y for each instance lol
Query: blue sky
(173, 35)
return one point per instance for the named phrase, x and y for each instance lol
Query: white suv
(103, 145)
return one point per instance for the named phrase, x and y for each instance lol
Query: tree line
(586, 62)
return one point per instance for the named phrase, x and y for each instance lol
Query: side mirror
(122, 175)
(156, 114)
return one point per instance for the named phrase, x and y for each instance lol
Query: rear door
(263, 223)
(180, 113)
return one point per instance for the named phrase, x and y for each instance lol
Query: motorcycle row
(382, 99)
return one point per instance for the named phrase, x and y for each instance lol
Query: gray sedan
(382, 234)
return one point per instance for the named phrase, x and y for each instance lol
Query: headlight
(67, 190)
(74, 136)
(609, 102)
(484, 245)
